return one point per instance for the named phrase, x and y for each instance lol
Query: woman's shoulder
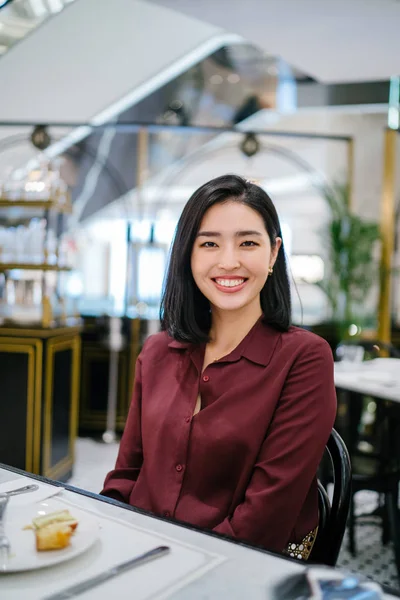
(158, 345)
(304, 336)
(306, 344)
(297, 339)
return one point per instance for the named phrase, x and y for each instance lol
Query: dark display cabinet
(39, 383)
(95, 371)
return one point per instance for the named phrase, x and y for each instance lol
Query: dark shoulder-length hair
(185, 312)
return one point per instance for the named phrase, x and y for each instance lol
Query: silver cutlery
(88, 584)
(22, 490)
(5, 545)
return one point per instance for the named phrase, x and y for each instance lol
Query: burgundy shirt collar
(258, 345)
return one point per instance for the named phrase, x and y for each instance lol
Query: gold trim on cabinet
(57, 345)
(19, 348)
(37, 425)
(40, 332)
(38, 411)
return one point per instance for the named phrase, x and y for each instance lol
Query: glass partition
(124, 212)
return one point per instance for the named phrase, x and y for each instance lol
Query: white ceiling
(92, 61)
(331, 40)
(92, 56)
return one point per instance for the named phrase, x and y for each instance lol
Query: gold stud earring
(270, 270)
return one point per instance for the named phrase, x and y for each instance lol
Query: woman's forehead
(231, 216)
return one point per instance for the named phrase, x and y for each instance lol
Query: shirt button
(179, 468)
(206, 378)
(187, 420)
(167, 513)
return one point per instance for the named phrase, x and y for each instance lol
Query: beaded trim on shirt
(302, 550)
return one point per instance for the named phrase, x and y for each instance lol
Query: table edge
(184, 525)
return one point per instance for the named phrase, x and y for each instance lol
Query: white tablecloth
(200, 566)
(379, 378)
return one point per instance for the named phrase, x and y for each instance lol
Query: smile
(229, 285)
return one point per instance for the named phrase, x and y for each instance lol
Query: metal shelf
(43, 204)
(31, 267)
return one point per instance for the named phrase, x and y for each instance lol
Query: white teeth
(229, 282)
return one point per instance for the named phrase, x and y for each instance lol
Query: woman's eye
(248, 243)
(209, 245)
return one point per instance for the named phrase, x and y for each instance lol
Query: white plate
(24, 556)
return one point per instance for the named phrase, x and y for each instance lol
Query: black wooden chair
(378, 469)
(333, 516)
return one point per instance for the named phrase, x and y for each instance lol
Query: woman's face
(231, 256)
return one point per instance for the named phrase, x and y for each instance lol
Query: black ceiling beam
(133, 127)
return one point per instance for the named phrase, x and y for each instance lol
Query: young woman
(232, 406)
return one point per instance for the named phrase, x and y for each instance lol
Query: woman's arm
(291, 452)
(119, 482)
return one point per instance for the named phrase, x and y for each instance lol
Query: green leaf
(352, 266)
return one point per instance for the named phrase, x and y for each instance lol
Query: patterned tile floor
(373, 559)
(94, 459)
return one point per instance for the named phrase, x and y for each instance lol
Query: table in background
(379, 378)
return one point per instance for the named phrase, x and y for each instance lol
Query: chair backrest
(333, 517)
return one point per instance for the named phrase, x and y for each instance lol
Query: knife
(22, 490)
(88, 584)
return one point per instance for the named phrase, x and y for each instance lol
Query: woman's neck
(229, 328)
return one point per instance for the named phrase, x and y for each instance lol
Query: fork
(4, 541)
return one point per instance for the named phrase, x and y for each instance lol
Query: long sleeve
(290, 454)
(119, 483)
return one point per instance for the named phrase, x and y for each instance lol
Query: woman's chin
(232, 304)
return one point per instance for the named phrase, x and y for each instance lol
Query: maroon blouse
(246, 464)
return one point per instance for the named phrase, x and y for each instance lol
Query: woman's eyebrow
(237, 233)
(208, 234)
(248, 232)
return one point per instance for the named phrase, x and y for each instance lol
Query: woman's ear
(275, 250)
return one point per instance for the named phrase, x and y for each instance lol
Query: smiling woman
(232, 406)
(229, 228)
(237, 261)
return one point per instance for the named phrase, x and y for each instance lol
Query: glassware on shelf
(50, 248)
(26, 244)
(37, 185)
(41, 184)
(32, 253)
(36, 240)
(11, 189)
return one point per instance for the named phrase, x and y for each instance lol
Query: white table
(239, 571)
(379, 378)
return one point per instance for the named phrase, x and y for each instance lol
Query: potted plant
(352, 265)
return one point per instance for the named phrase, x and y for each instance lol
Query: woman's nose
(228, 261)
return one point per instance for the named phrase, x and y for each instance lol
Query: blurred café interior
(103, 138)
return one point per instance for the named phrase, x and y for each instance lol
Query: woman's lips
(229, 285)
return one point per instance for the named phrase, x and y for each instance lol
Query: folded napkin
(45, 491)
